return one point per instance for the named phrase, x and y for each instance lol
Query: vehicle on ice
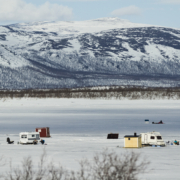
(151, 139)
(28, 137)
(160, 122)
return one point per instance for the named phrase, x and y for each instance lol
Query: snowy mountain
(107, 51)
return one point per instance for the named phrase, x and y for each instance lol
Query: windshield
(24, 136)
(159, 137)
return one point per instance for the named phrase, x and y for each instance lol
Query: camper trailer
(28, 137)
(152, 138)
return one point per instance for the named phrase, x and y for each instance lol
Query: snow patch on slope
(75, 46)
(134, 55)
(9, 58)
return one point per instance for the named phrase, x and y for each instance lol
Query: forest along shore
(96, 92)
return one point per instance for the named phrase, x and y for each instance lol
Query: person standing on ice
(42, 141)
(175, 142)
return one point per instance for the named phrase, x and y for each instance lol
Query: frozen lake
(79, 128)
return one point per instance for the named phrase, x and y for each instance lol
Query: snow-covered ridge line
(78, 27)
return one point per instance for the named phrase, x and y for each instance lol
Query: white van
(152, 138)
(28, 137)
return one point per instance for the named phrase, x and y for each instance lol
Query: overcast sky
(154, 12)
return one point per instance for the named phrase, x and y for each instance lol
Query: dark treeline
(97, 92)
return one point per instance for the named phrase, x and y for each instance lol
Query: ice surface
(79, 128)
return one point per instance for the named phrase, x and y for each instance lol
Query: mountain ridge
(90, 53)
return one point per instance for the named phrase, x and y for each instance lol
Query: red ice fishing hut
(43, 131)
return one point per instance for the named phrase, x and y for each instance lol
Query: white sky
(155, 12)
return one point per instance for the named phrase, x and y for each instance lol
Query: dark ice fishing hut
(112, 136)
(43, 131)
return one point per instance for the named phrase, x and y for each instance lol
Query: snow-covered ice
(79, 128)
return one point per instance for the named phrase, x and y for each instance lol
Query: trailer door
(145, 138)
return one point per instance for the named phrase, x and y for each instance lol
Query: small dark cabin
(112, 136)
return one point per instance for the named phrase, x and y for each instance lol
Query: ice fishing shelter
(132, 141)
(146, 121)
(112, 136)
(43, 131)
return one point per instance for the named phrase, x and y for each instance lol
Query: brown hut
(43, 131)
